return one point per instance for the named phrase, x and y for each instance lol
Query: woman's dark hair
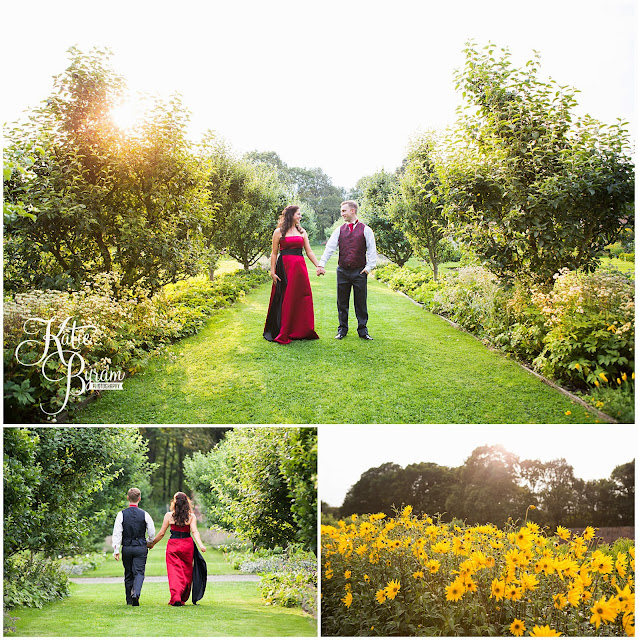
(181, 507)
(285, 219)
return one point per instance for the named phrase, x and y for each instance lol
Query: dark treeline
(167, 448)
(494, 485)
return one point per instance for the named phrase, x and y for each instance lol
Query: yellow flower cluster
(409, 575)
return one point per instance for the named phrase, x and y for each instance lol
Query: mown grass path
(230, 607)
(418, 369)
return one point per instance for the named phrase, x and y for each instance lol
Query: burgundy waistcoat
(352, 247)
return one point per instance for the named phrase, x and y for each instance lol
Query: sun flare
(128, 114)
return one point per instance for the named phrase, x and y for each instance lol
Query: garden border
(542, 378)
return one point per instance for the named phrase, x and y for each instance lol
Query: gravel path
(222, 578)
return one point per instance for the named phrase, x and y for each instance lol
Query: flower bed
(125, 332)
(580, 333)
(412, 576)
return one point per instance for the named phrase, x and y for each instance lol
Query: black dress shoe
(366, 337)
(135, 601)
(340, 336)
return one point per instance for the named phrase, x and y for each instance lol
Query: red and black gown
(185, 566)
(290, 315)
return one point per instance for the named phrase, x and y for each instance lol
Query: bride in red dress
(290, 312)
(183, 562)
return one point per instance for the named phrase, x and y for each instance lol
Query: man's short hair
(134, 494)
(351, 204)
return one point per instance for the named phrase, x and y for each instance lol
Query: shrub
(77, 565)
(33, 581)
(576, 332)
(127, 331)
(590, 321)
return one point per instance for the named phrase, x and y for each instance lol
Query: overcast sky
(345, 452)
(338, 84)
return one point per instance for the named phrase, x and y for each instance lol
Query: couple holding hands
(291, 313)
(134, 533)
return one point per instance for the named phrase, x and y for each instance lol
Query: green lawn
(418, 369)
(156, 564)
(227, 609)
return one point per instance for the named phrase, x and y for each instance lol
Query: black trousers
(347, 280)
(134, 561)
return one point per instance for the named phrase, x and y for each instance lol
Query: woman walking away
(185, 566)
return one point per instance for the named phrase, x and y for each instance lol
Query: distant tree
(530, 187)
(420, 213)
(246, 200)
(486, 488)
(623, 478)
(168, 447)
(428, 486)
(378, 190)
(378, 489)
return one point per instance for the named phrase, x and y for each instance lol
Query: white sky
(337, 84)
(345, 452)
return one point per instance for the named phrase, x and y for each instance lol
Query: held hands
(321, 271)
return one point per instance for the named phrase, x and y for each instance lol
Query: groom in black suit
(133, 530)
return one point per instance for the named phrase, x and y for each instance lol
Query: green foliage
(32, 581)
(581, 328)
(530, 188)
(416, 282)
(420, 212)
(590, 322)
(246, 200)
(84, 198)
(263, 485)
(311, 188)
(56, 484)
(377, 192)
(128, 330)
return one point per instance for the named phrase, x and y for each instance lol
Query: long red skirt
(291, 313)
(179, 566)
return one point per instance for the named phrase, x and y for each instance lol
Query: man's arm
(331, 247)
(371, 249)
(117, 535)
(150, 527)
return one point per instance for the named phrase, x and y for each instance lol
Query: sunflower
(454, 591)
(517, 627)
(392, 589)
(380, 596)
(498, 589)
(544, 631)
(603, 611)
(347, 600)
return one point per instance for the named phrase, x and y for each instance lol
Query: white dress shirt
(117, 530)
(371, 247)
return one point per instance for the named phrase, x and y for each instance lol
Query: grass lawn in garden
(418, 369)
(227, 609)
(156, 564)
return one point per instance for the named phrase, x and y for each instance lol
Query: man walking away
(133, 529)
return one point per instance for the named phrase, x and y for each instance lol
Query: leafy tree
(420, 211)
(57, 484)
(377, 192)
(378, 489)
(309, 187)
(487, 489)
(263, 484)
(530, 187)
(315, 188)
(623, 478)
(247, 200)
(86, 198)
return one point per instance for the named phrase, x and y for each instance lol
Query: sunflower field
(419, 576)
